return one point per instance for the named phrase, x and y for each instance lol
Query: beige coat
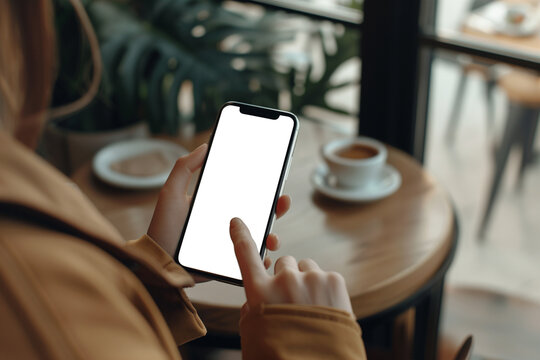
(72, 288)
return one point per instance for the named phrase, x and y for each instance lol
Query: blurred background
(455, 83)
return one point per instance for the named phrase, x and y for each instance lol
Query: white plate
(493, 18)
(130, 148)
(389, 182)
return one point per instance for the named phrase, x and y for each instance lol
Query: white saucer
(390, 181)
(130, 148)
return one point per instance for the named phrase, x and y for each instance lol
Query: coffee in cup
(357, 151)
(355, 162)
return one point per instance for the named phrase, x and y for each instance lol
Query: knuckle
(284, 260)
(335, 279)
(313, 278)
(287, 276)
(286, 284)
(288, 258)
(306, 262)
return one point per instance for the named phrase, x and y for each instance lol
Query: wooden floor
(503, 327)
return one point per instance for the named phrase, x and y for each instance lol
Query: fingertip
(235, 223)
(199, 150)
(200, 147)
(286, 200)
(199, 153)
(283, 205)
(246, 252)
(272, 242)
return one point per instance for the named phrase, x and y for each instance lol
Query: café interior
(443, 260)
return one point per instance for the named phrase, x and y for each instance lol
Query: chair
(523, 92)
(472, 65)
(465, 351)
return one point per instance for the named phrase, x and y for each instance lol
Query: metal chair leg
(510, 136)
(456, 109)
(490, 107)
(529, 125)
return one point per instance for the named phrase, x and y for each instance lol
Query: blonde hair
(27, 58)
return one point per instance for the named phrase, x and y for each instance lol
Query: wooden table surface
(386, 250)
(530, 43)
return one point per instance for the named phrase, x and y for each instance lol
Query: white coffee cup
(355, 162)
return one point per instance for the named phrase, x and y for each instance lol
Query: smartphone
(246, 165)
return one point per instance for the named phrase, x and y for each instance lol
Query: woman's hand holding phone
(300, 283)
(173, 205)
(292, 283)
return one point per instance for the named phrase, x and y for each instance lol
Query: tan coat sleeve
(64, 298)
(167, 290)
(300, 332)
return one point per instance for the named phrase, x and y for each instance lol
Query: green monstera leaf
(153, 49)
(175, 62)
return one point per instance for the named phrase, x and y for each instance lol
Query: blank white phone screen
(240, 179)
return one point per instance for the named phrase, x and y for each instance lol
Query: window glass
(476, 106)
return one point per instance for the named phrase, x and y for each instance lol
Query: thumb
(180, 176)
(247, 254)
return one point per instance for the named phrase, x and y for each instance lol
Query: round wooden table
(387, 250)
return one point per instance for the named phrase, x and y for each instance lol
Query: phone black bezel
(259, 111)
